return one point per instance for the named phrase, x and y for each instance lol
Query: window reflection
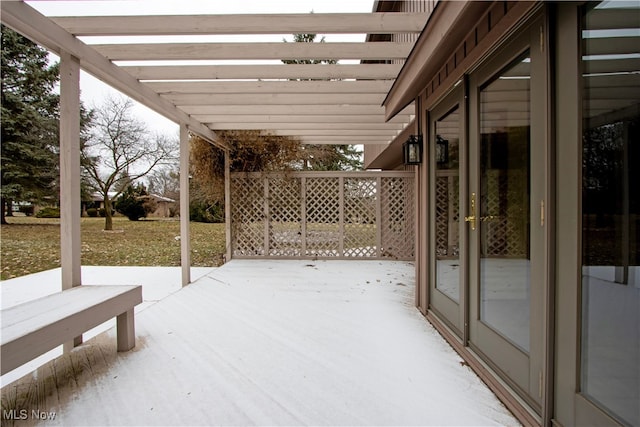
(447, 158)
(610, 374)
(504, 203)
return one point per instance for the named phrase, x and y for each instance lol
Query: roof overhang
(446, 28)
(456, 37)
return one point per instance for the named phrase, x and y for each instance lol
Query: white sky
(93, 90)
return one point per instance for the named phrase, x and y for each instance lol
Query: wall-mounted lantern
(412, 150)
(442, 150)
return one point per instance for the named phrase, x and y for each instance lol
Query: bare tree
(120, 151)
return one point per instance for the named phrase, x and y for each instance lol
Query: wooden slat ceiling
(214, 85)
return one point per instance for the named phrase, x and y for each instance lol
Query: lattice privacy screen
(323, 215)
(505, 201)
(447, 214)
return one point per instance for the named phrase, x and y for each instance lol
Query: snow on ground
(157, 283)
(282, 343)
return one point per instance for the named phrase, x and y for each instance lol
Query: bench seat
(32, 328)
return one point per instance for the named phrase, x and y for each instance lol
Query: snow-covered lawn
(274, 343)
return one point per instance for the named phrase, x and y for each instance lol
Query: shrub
(203, 212)
(48, 212)
(27, 210)
(135, 203)
(92, 212)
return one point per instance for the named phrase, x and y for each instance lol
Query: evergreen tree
(29, 122)
(324, 157)
(135, 203)
(307, 38)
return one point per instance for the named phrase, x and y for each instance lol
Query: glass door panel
(507, 190)
(447, 159)
(504, 204)
(448, 177)
(610, 338)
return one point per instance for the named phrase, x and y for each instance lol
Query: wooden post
(303, 217)
(126, 330)
(227, 205)
(341, 216)
(379, 220)
(70, 204)
(267, 219)
(70, 241)
(185, 237)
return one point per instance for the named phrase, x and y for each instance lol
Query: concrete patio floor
(266, 343)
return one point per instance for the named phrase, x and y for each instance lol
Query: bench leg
(68, 346)
(125, 327)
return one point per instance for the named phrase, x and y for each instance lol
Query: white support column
(185, 237)
(70, 238)
(227, 205)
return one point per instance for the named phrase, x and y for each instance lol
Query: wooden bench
(35, 327)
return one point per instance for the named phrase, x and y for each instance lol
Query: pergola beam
(308, 110)
(337, 121)
(259, 87)
(346, 141)
(303, 126)
(265, 71)
(252, 51)
(324, 23)
(299, 100)
(332, 139)
(336, 132)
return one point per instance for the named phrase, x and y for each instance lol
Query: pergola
(210, 86)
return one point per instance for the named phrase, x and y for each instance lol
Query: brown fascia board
(445, 30)
(391, 157)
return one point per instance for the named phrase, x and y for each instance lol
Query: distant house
(97, 200)
(163, 210)
(164, 206)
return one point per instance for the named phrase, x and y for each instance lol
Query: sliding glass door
(506, 213)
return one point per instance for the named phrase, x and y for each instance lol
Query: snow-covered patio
(265, 343)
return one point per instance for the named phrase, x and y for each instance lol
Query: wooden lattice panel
(505, 206)
(397, 227)
(323, 215)
(447, 215)
(284, 207)
(360, 198)
(442, 216)
(247, 211)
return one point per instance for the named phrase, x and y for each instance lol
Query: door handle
(472, 218)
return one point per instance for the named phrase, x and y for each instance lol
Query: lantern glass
(413, 150)
(442, 150)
